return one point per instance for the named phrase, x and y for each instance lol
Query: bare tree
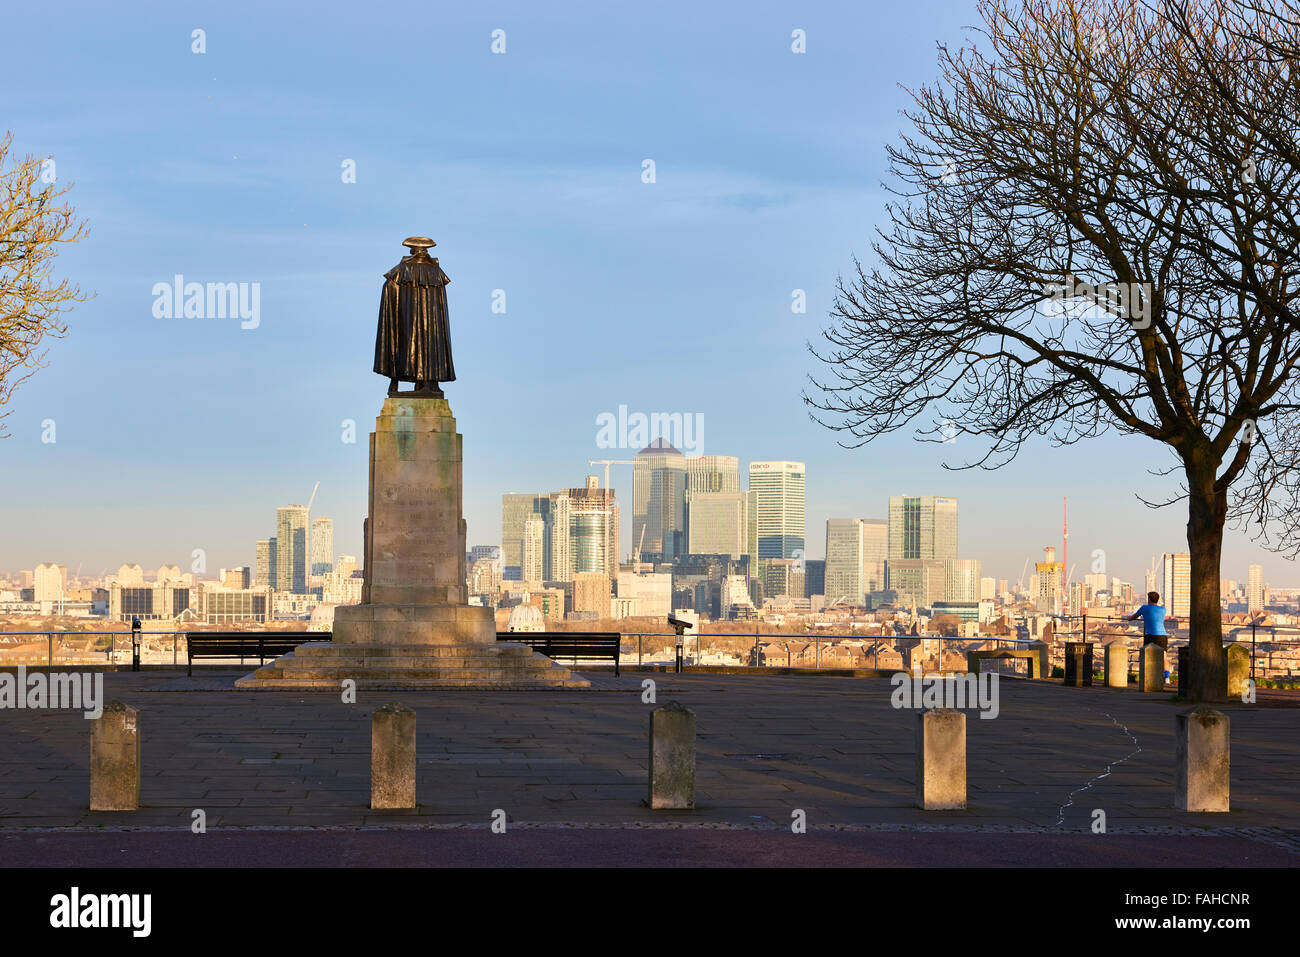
(1263, 101)
(1082, 242)
(33, 224)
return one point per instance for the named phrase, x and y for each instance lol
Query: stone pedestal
(413, 625)
(1151, 668)
(1117, 665)
(1201, 761)
(941, 760)
(413, 628)
(115, 759)
(415, 535)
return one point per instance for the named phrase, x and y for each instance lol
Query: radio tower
(1065, 557)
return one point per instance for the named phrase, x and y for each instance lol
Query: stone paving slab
(767, 745)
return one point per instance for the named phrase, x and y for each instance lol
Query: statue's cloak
(413, 342)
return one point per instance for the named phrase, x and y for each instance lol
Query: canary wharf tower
(922, 527)
(779, 488)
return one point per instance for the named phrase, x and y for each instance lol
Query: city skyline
(1138, 579)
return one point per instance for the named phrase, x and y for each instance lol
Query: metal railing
(753, 654)
(1231, 634)
(750, 652)
(120, 643)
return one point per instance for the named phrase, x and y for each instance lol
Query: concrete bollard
(115, 759)
(1117, 665)
(1201, 760)
(941, 760)
(392, 757)
(1151, 668)
(672, 757)
(1040, 667)
(1237, 665)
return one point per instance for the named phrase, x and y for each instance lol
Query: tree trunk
(1207, 678)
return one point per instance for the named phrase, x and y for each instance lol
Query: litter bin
(1078, 663)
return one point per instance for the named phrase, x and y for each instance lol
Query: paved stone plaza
(767, 745)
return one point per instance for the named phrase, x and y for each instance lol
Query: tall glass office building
(1177, 597)
(291, 549)
(922, 527)
(855, 559)
(717, 523)
(779, 495)
(516, 510)
(264, 563)
(712, 473)
(322, 546)
(659, 501)
(593, 535)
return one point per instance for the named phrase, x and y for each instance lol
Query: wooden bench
(246, 644)
(569, 644)
(1036, 658)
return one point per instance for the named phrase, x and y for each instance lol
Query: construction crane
(1020, 582)
(1065, 555)
(313, 497)
(607, 463)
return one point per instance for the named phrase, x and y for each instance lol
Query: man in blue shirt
(1153, 620)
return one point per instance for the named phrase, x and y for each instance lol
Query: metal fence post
(49, 649)
(638, 650)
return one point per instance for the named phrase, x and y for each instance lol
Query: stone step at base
(415, 684)
(324, 666)
(342, 650)
(467, 674)
(293, 663)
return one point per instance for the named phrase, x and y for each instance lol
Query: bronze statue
(413, 343)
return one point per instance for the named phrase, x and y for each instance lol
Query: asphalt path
(629, 847)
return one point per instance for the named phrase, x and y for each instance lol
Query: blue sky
(176, 434)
